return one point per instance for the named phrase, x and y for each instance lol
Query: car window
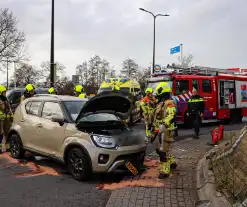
(15, 97)
(39, 91)
(50, 109)
(100, 117)
(28, 105)
(74, 108)
(206, 86)
(33, 108)
(195, 85)
(182, 86)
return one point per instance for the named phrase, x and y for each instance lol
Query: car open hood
(109, 103)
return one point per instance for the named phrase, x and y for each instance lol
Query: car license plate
(131, 168)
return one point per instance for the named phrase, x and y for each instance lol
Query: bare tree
(82, 71)
(11, 38)
(130, 68)
(45, 70)
(187, 60)
(64, 86)
(142, 76)
(26, 74)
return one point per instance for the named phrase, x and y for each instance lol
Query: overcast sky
(214, 31)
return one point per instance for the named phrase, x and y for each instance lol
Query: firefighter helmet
(51, 90)
(78, 88)
(149, 90)
(30, 87)
(162, 88)
(2, 89)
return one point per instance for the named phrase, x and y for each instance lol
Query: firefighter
(6, 117)
(195, 111)
(165, 128)
(52, 91)
(79, 91)
(148, 107)
(30, 92)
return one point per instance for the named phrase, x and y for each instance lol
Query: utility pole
(52, 64)
(154, 16)
(181, 54)
(7, 73)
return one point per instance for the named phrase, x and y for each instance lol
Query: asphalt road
(48, 185)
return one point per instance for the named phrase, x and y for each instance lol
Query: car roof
(50, 97)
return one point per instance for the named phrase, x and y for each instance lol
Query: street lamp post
(52, 64)
(154, 16)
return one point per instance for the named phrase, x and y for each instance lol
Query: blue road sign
(175, 49)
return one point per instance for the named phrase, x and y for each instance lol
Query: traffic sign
(175, 50)
(157, 68)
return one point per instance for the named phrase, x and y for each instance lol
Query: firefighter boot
(173, 164)
(165, 170)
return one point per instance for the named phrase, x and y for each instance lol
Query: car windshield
(123, 90)
(74, 108)
(101, 117)
(153, 85)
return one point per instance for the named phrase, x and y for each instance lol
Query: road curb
(206, 187)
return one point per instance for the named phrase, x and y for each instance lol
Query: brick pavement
(177, 191)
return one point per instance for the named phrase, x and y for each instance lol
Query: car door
(29, 124)
(15, 99)
(51, 134)
(208, 93)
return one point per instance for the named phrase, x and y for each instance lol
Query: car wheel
(16, 149)
(78, 164)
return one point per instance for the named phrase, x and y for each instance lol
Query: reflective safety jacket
(196, 105)
(165, 114)
(82, 95)
(5, 109)
(138, 105)
(148, 105)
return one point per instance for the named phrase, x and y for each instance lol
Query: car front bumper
(118, 158)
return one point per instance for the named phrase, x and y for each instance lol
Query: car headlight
(104, 141)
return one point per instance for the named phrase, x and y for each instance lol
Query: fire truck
(224, 91)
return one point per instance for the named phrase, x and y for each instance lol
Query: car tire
(16, 149)
(78, 164)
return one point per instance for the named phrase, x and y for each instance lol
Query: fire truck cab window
(206, 86)
(182, 86)
(195, 84)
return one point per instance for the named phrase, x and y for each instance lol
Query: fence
(229, 165)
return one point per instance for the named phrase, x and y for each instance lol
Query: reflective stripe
(2, 116)
(196, 100)
(82, 95)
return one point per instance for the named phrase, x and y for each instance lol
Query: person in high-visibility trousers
(6, 118)
(79, 91)
(52, 91)
(165, 128)
(30, 92)
(148, 107)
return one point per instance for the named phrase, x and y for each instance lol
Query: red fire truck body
(224, 91)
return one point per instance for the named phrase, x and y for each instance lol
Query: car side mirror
(58, 119)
